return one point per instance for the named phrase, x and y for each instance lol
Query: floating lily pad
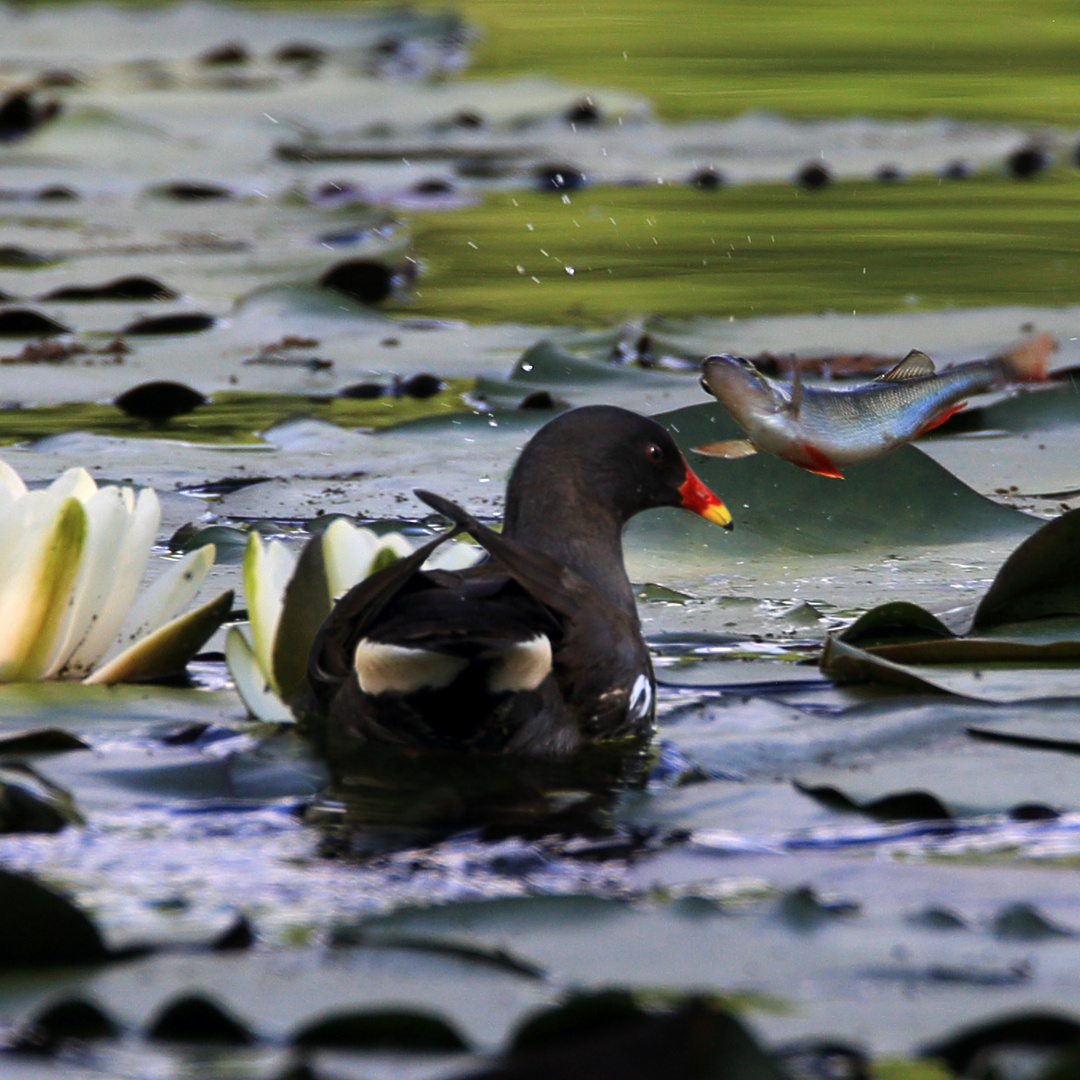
(778, 506)
(1025, 633)
(232, 416)
(968, 781)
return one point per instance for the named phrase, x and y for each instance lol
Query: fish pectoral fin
(814, 460)
(940, 419)
(916, 365)
(796, 393)
(727, 448)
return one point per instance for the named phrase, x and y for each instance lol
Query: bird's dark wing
(556, 587)
(330, 660)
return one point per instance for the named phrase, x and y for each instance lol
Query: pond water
(272, 206)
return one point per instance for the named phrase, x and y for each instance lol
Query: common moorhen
(537, 651)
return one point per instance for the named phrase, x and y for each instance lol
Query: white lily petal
(454, 555)
(77, 483)
(347, 553)
(43, 562)
(11, 482)
(267, 570)
(106, 521)
(168, 649)
(166, 596)
(392, 546)
(127, 559)
(251, 682)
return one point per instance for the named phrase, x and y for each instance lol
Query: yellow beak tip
(718, 514)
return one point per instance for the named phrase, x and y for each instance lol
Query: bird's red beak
(697, 497)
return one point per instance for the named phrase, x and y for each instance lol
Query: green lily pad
(1052, 670)
(231, 417)
(902, 498)
(1040, 578)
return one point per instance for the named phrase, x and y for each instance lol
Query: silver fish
(824, 430)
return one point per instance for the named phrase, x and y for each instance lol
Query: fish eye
(654, 453)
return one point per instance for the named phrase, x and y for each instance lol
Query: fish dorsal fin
(796, 391)
(916, 365)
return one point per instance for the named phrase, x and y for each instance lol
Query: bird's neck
(585, 537)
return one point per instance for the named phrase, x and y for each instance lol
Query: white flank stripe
(523, 666)
(383, 668)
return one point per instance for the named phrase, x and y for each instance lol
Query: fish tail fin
(1026, 361)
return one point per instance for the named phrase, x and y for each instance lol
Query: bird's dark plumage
(537, 651)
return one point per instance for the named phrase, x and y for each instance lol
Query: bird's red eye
(654, 453)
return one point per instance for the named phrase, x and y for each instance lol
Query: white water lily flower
(288, 597)
(71, 559)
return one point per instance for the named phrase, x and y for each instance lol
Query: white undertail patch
(523, 666)
(383, 668)
(641, 696)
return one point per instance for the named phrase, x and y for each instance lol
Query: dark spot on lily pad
(584, 113)
(956, 170)
(1024, 922)
(434, 186)
(1026, 162)
(468, 119)
(707, 179)
(421, 386)
(300, 52)
(236, 938)
(192, 191)
(360, 279)
(540, 400)
(21, 113)
(1033, 812)
(13, 257)
(23, 322)
(231, 52)
(366, 391)
(57, 193)
(814, 176)
(59, 78)
(803, 909)
(559, 178)
(191, 323)
(134, 287)
(337, 189)
(74, 1019)
(160, 400)
(197, 1019)
(382, 1029)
